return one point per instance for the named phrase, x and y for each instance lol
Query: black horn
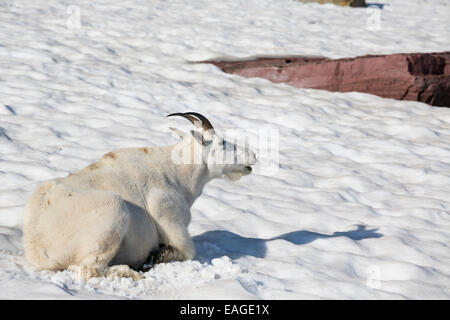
(206, 125)
(197, 120)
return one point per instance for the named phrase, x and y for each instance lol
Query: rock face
(352, 3)
(421, 77)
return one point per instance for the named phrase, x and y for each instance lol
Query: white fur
(113, 213)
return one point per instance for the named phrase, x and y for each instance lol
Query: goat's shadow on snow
(378, 5)
(218, 243)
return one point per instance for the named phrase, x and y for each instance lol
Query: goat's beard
(233, 176)
(236, 175)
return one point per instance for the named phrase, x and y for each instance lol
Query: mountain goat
(106, 219)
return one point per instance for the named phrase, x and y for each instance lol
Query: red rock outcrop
(421, 77)
(351, 3)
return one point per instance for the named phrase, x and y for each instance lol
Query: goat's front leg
(172, 216)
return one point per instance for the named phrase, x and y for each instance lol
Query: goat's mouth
(246, 170)
(236, 175)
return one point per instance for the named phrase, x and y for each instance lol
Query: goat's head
(222, 157)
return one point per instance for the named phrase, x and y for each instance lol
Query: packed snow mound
(358, 206)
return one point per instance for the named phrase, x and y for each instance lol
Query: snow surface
(359, 207)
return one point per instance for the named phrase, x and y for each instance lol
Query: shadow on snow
(217, 243)
(379, 5)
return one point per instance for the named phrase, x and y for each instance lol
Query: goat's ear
(179, 132)
(192, 134)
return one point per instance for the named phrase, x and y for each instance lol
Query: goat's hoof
(165, 254)
(137, 276)
(123, 271)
